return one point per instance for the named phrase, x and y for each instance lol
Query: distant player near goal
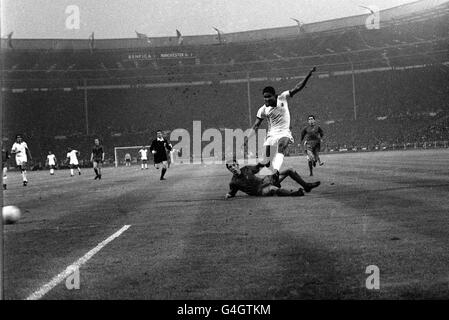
(72, 158)
(97, 158)
(312, 135)
(51, 162)
(277, 113)
(143, 154)
(22, 154)
(128, 160)
(159, 148)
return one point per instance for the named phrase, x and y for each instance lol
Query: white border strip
(69, 270)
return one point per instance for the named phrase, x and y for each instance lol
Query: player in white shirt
(72, 156)
(143, 153)
(128, 160)
(22, 154)
(173, 152)
(276, 111)
(51, 162)
(5, 158)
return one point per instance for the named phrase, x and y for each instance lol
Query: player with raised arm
(97, 158)
(5, 158)
(245, 179)
(159, 148)
(143, 154)
(22, 155)
(277, 113)
(51, 162)
(72, 158)
(312, 135)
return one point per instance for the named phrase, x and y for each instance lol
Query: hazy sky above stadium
(156, 18)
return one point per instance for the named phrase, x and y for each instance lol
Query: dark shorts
(160, 158)
(313, 146)
(98, 160)
(128, 160)
(145, 161)
(4, 164)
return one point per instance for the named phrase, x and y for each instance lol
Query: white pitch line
(75, 266)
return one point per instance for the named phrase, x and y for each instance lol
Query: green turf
(388, 209)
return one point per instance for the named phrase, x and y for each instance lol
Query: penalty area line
(74, 266)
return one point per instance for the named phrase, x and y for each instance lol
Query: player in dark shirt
(245, 180)
(159, 148)
(5, 157)
(97, 158)
(312, 135)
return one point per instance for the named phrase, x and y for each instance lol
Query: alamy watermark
(73, 20)
(72, 282)
(372, 22)
(373, 280)
(215, 146)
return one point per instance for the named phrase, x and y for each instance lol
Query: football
(10, 214)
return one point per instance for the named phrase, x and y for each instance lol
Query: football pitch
(132, 236)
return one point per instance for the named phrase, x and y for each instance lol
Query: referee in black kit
(159, 148)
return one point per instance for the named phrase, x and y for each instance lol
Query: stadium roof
(415, 11)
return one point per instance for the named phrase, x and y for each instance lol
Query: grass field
(184, 241)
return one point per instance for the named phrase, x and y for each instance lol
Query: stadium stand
(373, 88)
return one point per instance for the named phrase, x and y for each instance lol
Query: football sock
(71, 172)
(311, 167)
(52, 171)
(163, 172)
(277, 161)
(24, 176)
(96, 171)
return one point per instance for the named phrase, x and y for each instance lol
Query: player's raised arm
(302, 84)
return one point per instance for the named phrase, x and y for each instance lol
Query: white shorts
(272, 139)
(74, 163)
(21, 161)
